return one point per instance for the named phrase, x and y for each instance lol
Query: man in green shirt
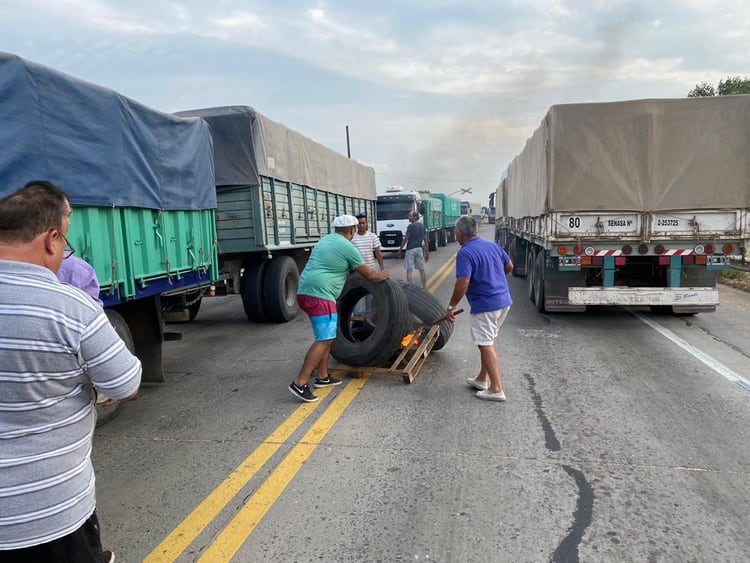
(320, 285)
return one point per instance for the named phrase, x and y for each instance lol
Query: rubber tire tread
(394, 322)
(279, 272)
(251, 291)
(427, 309)
(539, 283)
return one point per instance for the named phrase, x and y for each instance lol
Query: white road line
(692, 350)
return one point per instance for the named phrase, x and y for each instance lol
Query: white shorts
(486, 326)
(414, 259)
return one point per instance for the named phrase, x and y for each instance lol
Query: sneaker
(327, 382)
(481, 385)
(487, 396)
(108, 557)
(303, 392)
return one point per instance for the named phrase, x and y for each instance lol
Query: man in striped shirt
(56, 344)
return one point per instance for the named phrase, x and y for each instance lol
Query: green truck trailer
(278, 193)
(141, 187)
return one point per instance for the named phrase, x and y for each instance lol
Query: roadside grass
(738, 279)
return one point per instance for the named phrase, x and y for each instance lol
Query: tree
(728, 86)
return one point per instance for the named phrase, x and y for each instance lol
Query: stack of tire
(400, 308)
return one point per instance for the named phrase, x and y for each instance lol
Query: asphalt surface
(624, 438)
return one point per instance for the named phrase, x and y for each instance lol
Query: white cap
(345, 221)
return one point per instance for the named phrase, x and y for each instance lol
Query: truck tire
(432, 241)
(427, 309)
(382, 338)
(511, 250)
(251, 290)
(280, 283)
(539, 283)
(106, 414)
(530, 275)
(442, 238)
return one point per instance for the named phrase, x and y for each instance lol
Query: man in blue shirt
(481, 270)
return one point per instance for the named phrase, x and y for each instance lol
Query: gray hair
(467, 225)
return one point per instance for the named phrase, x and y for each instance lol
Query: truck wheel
(427, 309)
(539, 283)
(432, 241)
(530, 275)
(105, 414)
(513, 258)
(389, 324)
(442, 238)
(251, 290)
(280, 283)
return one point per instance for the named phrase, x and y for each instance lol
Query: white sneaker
(481, 385)
(487, 396)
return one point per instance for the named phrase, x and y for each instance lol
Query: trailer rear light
(659, 249)
(597, 261)
(709, 249)
(702, 259)
(699, 249)
(589, 251)
(627, 249)
(664, 260)
(620, 260)
(577, 250)
(585, 260)
(728, 249)
(642, 249)
(688, 259)
(562, 250)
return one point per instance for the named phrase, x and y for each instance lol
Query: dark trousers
(82, 546)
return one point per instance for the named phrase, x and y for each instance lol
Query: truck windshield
(390, 210)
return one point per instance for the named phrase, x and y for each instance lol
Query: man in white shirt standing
(368, 244)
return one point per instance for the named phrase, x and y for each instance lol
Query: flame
(410, 340)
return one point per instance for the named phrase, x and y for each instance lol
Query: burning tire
(427, 309)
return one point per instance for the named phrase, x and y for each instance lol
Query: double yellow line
(229, 541)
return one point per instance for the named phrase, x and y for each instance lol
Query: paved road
(625, 438)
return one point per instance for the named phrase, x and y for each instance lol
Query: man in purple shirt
(80, 274)
(481, 270)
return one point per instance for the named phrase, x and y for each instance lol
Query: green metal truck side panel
(279, 215)
(129, 247)
(451, 208)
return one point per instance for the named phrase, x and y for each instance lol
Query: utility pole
(348, 147)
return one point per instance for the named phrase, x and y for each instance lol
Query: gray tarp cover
(642, 155)
(248, 145)
(102, 148)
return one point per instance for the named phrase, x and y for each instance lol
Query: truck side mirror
(420, 208)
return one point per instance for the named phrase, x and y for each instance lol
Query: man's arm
(378, 256)
(508, 268)
(459, 290)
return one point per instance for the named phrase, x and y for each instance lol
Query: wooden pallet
(411, 358)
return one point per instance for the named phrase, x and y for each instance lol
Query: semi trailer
(629, 203)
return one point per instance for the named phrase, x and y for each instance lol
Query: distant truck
(629, 203)
(277, 195)
(141, 187)
(438, 213)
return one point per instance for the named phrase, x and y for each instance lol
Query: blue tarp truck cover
(101, 148)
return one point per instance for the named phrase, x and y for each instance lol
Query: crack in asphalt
(567, 551)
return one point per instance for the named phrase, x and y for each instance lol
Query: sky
(437, 95)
